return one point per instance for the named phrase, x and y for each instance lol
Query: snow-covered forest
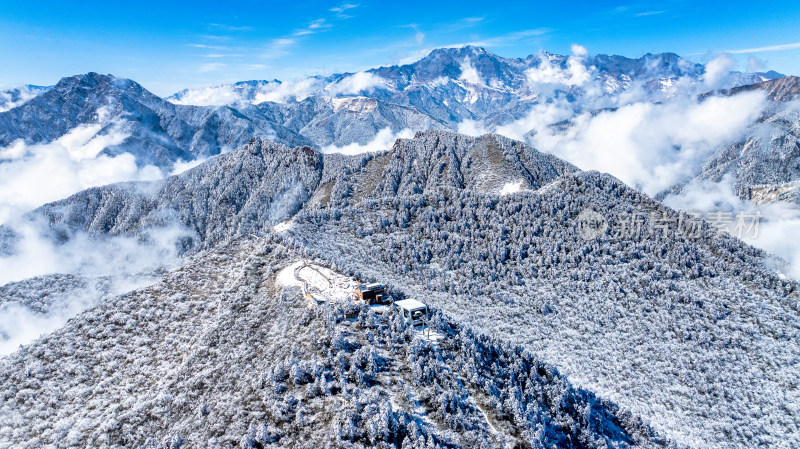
(260, 367)
(551, 338)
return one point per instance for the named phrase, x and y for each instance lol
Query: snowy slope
(695, 335)
(217, 354)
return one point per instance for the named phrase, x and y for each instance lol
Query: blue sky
(168, 46)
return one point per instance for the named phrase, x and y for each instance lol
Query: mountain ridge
(432, 218)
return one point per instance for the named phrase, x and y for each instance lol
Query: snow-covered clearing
(511, 187)
(322, 283)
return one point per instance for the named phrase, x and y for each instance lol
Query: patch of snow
(326, 284)
(286, 278)
(440, 81)
(283, 226)
(511, 187)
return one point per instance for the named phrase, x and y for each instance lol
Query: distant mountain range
(440, 91)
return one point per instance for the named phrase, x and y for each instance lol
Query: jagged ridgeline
(693, 334)
(160, 133)
(265, 183)
(440, 91)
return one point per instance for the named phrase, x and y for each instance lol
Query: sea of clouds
(35, 174)
(653, 146)
(649, 146)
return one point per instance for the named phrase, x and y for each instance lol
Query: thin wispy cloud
(210, 67)
(216, 37)
(636, 10)
(316, 26)
(781, 47)
(224, 27)
(278, 47)
(419, 36)
(341, 10)
(208, 47)
(462, 24)
(510, 38)
(222, 55)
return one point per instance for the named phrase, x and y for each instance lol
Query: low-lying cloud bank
(654, 146)
(382, 141)
(33, 175)
(117, 263)
(768, 225)
(18, 96)
(20, 325)
(279, 92)
(648, 146)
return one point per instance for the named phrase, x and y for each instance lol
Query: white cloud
(781, 47)
(20, 325)
(25, 94)
(579, 51)
(472, 128)
(648, 146)
(278, 47)
(778, 220)
(314, 27)
(469, 73)
(182, 166)
(549, 76)
(382, 141)
(208, 47)
(36, 255)
(210, 96)
(516, 37)
(341, 10)
(211, 67)
(32, 175)
(120, 263)
(355, 84)
(718, 70)
(754, 64)
(649, 13)
(537, 120)
(419, 37)
(298, 89)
